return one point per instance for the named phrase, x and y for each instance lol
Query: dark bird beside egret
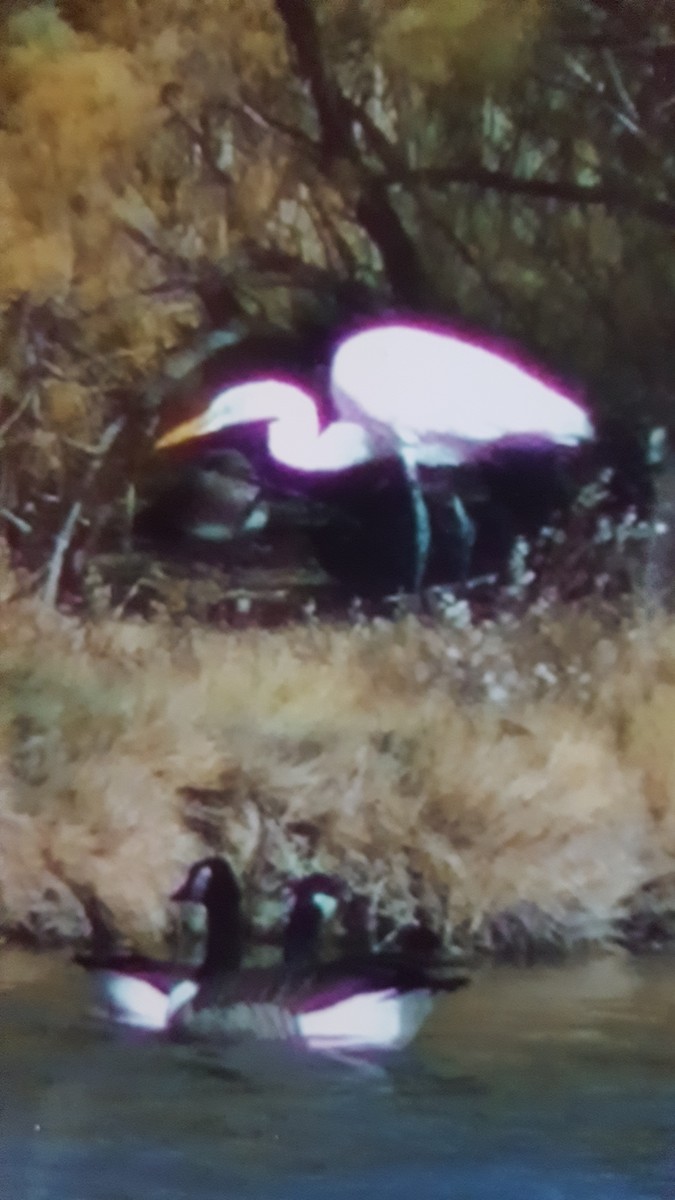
(422, 397)
(196, 509)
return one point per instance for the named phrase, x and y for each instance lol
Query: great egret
(424, 396)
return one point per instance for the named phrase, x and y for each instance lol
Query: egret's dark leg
(422, 525)
(467, 531)
(421, 519)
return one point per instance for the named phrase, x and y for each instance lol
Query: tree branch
(402, 263)
(660, 211)
(65, 536)
(299, 17)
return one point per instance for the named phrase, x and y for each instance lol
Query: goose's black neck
(302, 933)
(224, 937)
(212, 882)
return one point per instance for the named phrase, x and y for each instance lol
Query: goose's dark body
(356, 1003)
(359, 1002)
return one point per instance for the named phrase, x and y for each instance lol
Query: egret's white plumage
(444, 396)
(425, 396)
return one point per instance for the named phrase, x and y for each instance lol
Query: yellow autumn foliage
(471, 41)
(75, 115)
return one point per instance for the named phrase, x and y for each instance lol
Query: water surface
(543, 1083)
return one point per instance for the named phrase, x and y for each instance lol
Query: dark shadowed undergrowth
(513, 781)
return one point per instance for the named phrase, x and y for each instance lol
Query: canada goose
(357, 1003)
(142, 992)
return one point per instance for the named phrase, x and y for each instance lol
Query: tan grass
(474, 771)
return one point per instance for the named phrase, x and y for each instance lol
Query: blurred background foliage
(189, 174)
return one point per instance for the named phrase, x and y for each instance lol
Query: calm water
(547, 1083)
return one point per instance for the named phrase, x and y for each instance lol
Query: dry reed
(513, 778)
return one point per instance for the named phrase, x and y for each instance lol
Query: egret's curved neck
(295, 437)
(294, 431)
(296, 440)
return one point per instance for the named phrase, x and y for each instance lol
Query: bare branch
(18, 412)
(373, 207)
(622, 91)
(265, 121)
(299, 17)
(65, 536)
(660, 211)
(17, 522)
(628, 120)
(61, 544)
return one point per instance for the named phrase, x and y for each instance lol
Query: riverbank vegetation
(190, 189)
(512, 781)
